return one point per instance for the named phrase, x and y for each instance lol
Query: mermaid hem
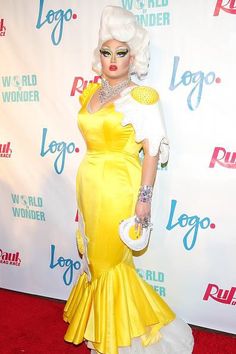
(114, 309)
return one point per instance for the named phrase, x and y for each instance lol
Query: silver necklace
(107, 92)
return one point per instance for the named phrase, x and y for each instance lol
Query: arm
(149, 169)
(140, 108)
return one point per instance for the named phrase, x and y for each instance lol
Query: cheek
(125, 63)
(104, 61)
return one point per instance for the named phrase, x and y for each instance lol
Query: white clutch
(134, 240)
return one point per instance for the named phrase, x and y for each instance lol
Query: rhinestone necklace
(107, 92)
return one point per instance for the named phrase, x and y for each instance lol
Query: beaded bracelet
(145, 194)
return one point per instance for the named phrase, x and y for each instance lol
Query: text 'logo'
(68, 264)
(58, 18)
(190, 223)
(60, 149)
(195, 80)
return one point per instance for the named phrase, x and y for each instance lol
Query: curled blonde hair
(120, 24)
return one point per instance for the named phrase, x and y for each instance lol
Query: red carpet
(34, 325)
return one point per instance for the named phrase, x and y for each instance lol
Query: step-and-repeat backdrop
(46, 49)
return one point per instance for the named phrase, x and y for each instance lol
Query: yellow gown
(116, 306)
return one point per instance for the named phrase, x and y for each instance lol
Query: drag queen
(111, 307)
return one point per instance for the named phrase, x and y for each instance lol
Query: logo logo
(229, 6)
(19, 88)
(227, 297)
(80, 84)
(2, 28)
(28, 207)
(5, 150)
(153, 278)
(10, 258)
(148, 13)
(58, 18)
(197, 81)
(223, 158)
(61, 150)
(67, 263)
(191, 223)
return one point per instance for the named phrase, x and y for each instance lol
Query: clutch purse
(135, 240)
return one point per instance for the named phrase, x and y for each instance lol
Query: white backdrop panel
(46, 52)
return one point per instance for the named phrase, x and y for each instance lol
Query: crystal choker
(107, 92)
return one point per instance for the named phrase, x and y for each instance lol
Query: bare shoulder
(145, 95)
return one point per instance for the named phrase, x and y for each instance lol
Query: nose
(113, 58)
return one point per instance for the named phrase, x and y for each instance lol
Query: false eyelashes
(119, 53)
(122, 52)
(105, 52)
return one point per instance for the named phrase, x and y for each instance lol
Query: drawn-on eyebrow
(118, 48)
(119, 51)
(105, 52)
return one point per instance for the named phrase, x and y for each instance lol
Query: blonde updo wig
(120, 24)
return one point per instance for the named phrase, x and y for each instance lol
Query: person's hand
(143, 215)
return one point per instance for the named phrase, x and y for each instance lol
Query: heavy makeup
(116, 60)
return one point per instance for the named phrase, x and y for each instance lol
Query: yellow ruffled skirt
(113, 309)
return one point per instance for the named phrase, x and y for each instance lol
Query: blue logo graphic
(153, 278)
(19, 88)
(28, 207)
(58, 18)
(149, 13)
(61, 149)
(68, 264)
(144, 4)
(192, 223)
(196, 81)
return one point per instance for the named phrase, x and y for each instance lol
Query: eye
(122, 53)
(106, 53)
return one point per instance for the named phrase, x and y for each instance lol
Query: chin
(115, 75)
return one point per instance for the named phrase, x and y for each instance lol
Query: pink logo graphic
(223, 158)
(227, 297)
(228, 6)
(80, 84)
(10, 258)
(5, 150)
(77, 216)
(2, 28)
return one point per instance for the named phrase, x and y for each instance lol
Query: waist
(95, 156)
(112, 153)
